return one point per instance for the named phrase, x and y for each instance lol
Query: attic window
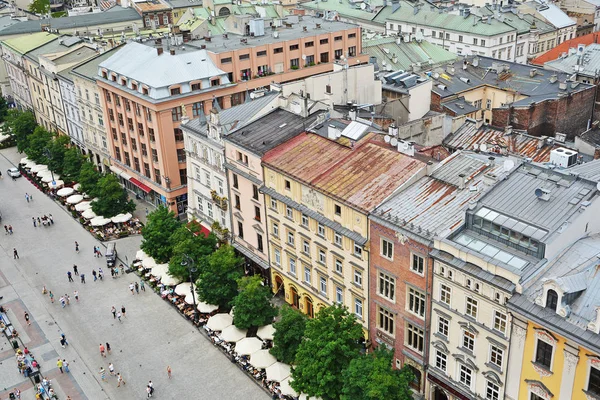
(196, 86)
(328, 89)
(551, 300)
(104, 74)
(215, 82)
(145, 91)
(123, 81)
(134, 86)
(175, 91)
(114, 78)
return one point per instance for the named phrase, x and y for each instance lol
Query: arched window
(224, 11)
(551, 300)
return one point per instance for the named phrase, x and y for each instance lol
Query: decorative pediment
(492, 376)
(545, 335)
(440, 346)
(539, 389)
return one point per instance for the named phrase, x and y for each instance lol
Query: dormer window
(196, 86)
(175, 91)
(145, 91)
(123, 81)
(134, 86)
(552, 300)
(215, 82)
(105, 74)
(114, 78)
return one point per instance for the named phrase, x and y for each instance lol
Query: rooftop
(58, 46)
(184, 3)
(551, 13)
(402, 82)
(362, 175)
(564, 47)
(26, 43)
(589, 170)
(523, 23)
(586, 63)
(345, 8)
(147, 6)
(459, 106)
(89, 69)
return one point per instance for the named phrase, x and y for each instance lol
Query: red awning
(140, 185)
(204, 230)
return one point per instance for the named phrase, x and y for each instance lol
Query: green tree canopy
(289, 331)
(55, 156)
(3, 109)
(88, 179)
(371, 377)
(21, 125)
(40, 7)
(331, 343)
(189, 240)
(253, 307)
(37, 144)
(112, 198)
(160, 225)
(73, 161)
(218, 282)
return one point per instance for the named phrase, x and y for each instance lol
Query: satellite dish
(539, 192)
(304, 56)
(363, 6)
(509, 165)
(387, 139)
(476, 147)
(483, 147)
(394, 142)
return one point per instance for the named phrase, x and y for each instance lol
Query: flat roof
(89, 69)
(26, 43)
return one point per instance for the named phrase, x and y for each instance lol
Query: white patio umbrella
(74, 199)
(45, 174)
(99, 221)
(233, 334)
(262, 359)
(141, 254)
(248, 345)
(84, 205)
(168, 280)
(89, 214)
(266, 332)
(218, 322)
(120, 218)
(286, 389)
(48, 178)
(306, 397)
(38, 168)
(149, 262)
(183, 289)
(24, 160)
(278, 372)
(30, 164)
(206, 308)
(232, 311)
(64, 192)
(54, 185)
(76, 187)
(160, 270)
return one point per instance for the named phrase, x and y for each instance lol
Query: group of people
(44, 220)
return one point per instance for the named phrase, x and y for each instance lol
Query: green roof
(407, 54)
(523, 24)
(26, 43)
(441, 20)
(344, 8)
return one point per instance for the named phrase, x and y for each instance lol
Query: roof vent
(532, 72)
(553, 78)
(542, 194)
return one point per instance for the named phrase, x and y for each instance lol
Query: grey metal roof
(184, 3)
(586, 64)
(589, 170)
(551, 13)
(89, 69)
(459, 106)
(336, 226)
(58, 45)
(270, 131)
(81, 21)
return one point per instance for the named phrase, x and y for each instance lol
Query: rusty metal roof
(362, 176)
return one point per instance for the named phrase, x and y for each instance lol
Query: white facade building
(67, 92)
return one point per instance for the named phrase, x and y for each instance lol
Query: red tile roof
(564, 47)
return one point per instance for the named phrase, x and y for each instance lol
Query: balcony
(220, 201)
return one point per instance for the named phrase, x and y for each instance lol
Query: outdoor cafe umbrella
(247, 346)
(24, 160)
(233, 334)
(88, 214)
(48, 178)
(168, 280)
(304, 396)
(183, 289)
(261, 359)
(149, 262)
(30, 164)
(84, 205)
(285, 387)
(206, 308)
(99, 221)
(218, 322)
(54, 185)
(74, 199)
(76, 187)
(64, 192)
(38, 168)
(120, 218)
(160, 270)
(44, 174)
(278, 372)
(266, 332)
(141, 254)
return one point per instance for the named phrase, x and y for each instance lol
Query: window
(416, 302)
(337, 38)
(195, 87)
(197, 108)
(178, 134)
(465, 375)
(292, 266)
(337, 209)
(288, 185)
(322, 256)
(551, 300)
(261, 53)
(339, 295)
(445, 293)
(309, 44)
(144, 150)
(154, 155)
(594, 381)
(337, 238)
(357, 250)
(275, 229)
(259, 241)
(468, 340)
(176, 113)
(289, 212)
(294, 47)
(387, 249)
(273, 203)
(157, 178)
(127, 160)
(443, 326)
(414, 337)
(357, 277)
(277, 257)
(209, 206)
(488, 104)
(324, 58)
(151, 134)
(323, 285)
(482, 43)
(306, 247)
(320, 230)
(417, 264)
(441, 360)
(244, 56)
(304, 221)
(136, 164)
(337, 54)
(307, 275)
(235, 181)
(255, 192)
(290, 238)
(496, 355)
(387, 286)
(238, 204)
(278, 50)
(471, 307)
(351, 35)
(543, 354)
(257, 213)
(147, 170)
(352, 51)
(500, 321)
(240, 229)
(324, 41)
(475, 41)
(492, 391)
(181, 155)
(385, 321)
(358, 308)
(339, 266)
(460, 38)
(175, 91)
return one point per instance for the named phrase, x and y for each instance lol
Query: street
(152, 336)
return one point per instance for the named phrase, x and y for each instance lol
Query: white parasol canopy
(278, 372)
(262, 359)
(99, 221)
(149, 262)
(84, 205)
(233, 334)
(30, 164)
(24, 160)
(141, 254)
(218, 322)
(183, 289)
(168, 280)
(76, 187)
(48, 178)
(206, 308)
(74, 199)
(266, 332)
(160, 270)
(64, 192)
(38, 168)
(56, 184)
(89, 214)
(248, 345)
(120, 218)
(286, 389)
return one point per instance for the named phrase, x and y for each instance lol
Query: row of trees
(47, 148)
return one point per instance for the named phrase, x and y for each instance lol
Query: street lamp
(188, 262)
(49, 157)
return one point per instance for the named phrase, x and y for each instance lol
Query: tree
(189, 240)
(3, 109)
(112, 198)
(37, 144)
(289, 331)
(218, 282)
(21, 124)
(253, 307)
(331, 343)
(88, 179)
(40, 7)
(73, 161)
(371, 377)
(160, 225)
(55, 154)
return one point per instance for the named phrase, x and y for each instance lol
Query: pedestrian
(62, 335)
(76, 294)
(94, 275)
(116, 272)
(100, 273)
(27, 197)
(123, 311)
(44, 290)
(95, 252)
(51, 295)
(76, 247)
(66, 365)
(102, 374)
(17, 392)
(149, 391)
(113, 310)
(82, 278)
(6, 229)
(99, 252)
(51, 218)
(102, 350)
(59, 364)
(137, 288)
(142, 286)
(75, 270)
(39, 221)
(169, 371)
(27, 318)
(112, 272)
(68, 299)
(63, 301)
(111, 369)
(70, 276)
(120, 380)
(63, 342)
(15, 253)
(119, 316)
(147, 211)
(34, 224)
(131, 287)
(10, 230)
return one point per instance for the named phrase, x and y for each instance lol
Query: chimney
(492, 161)
(352, 113)
(172, 51)
(159, 50)
(393, 130)
(562, 85)
(472, 204)
(429, 168)
(461, 181)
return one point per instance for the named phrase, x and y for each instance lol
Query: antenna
(538, 193)
(387, 139)
(483, 147)
(508, 165)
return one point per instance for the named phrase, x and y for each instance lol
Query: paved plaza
(152, 336)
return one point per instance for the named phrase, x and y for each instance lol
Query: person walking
(39, 221)
(59, 364)
(51, 295)
(123, 311)
(100, 273)
(94, 274)
(99, 252)
(107, 348)
(63, 337)
(15, 254)
(120, 380)
(76, 294)
(131, 287)
(82, 276)
(34, 224)
(70, 276)
(75, 270)
(10, 230)
(119, 316)
(76, 247)
(6, 229)
(102, 350)
(27, 197)
(142, 286)
(95, 252)
(149, 391)
(66, 365)
(67, 299)
(63, 301)
(102, 374)
(111, 369)
(27, 318)
(113, 310)
(137, 288)
(169, 371)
